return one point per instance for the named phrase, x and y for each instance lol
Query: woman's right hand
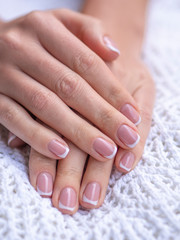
(45, 70)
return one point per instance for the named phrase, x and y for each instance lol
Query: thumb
(91, 32)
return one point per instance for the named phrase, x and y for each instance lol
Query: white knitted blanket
(144, 204)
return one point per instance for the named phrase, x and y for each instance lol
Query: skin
(132, 75)
(68, 82)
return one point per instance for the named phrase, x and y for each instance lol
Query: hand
(64, 183)
(39, 75)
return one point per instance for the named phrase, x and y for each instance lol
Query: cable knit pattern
(144, 204)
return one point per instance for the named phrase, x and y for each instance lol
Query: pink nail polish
(45, 184)
(127, 161)
(92, 193)
(111, 45)
(67, 199)
(58, 148)
(11, 138)
(129, 111)
(104, 148)
(128, 136)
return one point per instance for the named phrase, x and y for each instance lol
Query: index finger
(72, 52)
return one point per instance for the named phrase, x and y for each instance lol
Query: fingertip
(101, 45)
(13, 141)
(44, 184)
(110, 45)
(107, 49)
(68, 201)
(125, 161)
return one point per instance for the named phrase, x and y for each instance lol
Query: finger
(47, 107)
(77, 94)
(80, 58)
(20, 123)
(68, 179)
(14, 141)
(127, 160)
(42, 172)
(94, 183)
(90, 31)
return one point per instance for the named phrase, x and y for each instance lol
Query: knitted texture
(144, 204)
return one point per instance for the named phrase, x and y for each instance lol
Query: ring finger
(94, 183)
(68, 178)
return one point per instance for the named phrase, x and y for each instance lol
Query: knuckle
(69, 172)
(39, 100)
(84, 63)
(64, 11)
(11, 39)
(105, 118)
(35, 18)
(67, 86)
(80, 131)
(103, 169)
(8, 114)
(115, 94)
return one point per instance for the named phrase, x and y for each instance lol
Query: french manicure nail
(127, 161)
(92, 193)
(44, 184)
(67, 199)
(11, 137)
(104, 148)
(58, 148)
(128, 136)
(111, 45)
(129, 111)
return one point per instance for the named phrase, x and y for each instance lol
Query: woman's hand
(64, 184)
(46, 70)
(69, 184)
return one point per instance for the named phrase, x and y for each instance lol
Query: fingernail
(129, 111)
(11, 138)
(67, 199)
(58, 148)
(92, 193)
(128, 136)
(127, 161)
(111, 45)
(44, 184)
(104, 148)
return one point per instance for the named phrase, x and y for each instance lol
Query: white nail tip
(113, 154)
(135, 143)
(62, 206)
(138, 122)
(65, 153)
(43, 193)
(85, 199)
(110, 46)
(11, 138)
(122, 166)
(113, 48)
